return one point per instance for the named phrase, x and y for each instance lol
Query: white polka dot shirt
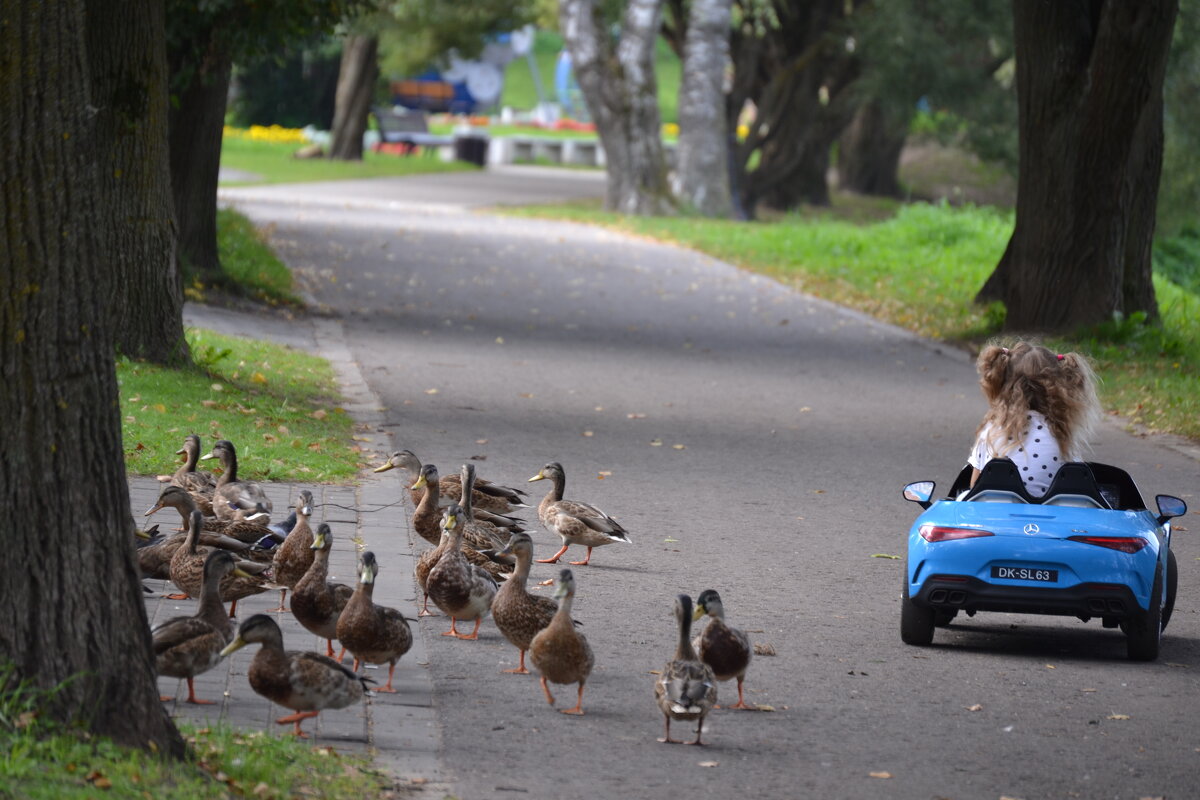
(1037, 457)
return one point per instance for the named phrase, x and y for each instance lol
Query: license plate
(1025, 574)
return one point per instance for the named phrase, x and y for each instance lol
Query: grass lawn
(280, 408)
(272, 162)
(918, 266)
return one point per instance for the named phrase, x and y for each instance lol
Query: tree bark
(128, 68)
(620, 88)
(197, 125)
(1089, 86)
(702, 168)
(869, 151)
(70, 598)
(355, 90)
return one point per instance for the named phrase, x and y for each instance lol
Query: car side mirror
(920, 493)
(1168, 507)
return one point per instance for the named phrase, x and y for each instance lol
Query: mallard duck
(373, 634)
(518, 614)
(184, 502)
(317, 603)
(200, 484)
(294, 557)
(155, 550)
(457, 587)
(184, 647)
(187, 570)
(576, 522)
(235, 499)
(307, 683)
(725, 649)
(477, 532)
(559, 652)
(686, 689)
(487, 496)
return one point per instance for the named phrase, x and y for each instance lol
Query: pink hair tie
(1060, 356)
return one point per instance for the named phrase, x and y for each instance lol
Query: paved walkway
(399, 730)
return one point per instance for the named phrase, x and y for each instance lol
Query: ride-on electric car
(1089, 548)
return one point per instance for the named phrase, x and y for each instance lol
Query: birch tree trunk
(702, 169)
(352, 104)
(70, 596)
(620, 88)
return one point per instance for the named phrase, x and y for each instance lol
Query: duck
(187, 570)
(187, 477)
(235, 499)
(478, 532)
(317, 603)
(184, 502)
(307, 683)
(725, 649)
(559, 652)
(374, 634)
(518, 614)
(487, 496)
(184, 647)
(293, 558)
(575, 522)
(686, 688)
(457, 587)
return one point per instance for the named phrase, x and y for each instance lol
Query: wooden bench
(409, 129)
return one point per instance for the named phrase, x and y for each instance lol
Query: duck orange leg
(667, 733)
(546, 689)
(578, 709)
(741, 703)
(297, 718)
(453, 628)
(191, 698)
(233, 609)
(387, 687)
(586, 559)
(554, 558)
(282, 607)
(425, 612)
(520, 668)
(474, 634)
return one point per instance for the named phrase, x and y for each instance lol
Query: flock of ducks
(478, 566)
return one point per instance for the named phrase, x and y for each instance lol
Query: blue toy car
(1088, 548)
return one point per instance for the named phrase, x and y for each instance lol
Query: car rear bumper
(1084, 600)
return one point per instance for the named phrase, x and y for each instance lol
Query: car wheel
(1143, 630)
(943, 618)
(916, 623)
(1172, 585)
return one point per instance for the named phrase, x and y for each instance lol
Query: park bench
(409, 129)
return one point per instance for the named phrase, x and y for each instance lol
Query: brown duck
(518, 614)
(374, 634)
(187, 570)
(725, 649)
(457, 587)
(317, 603)
(487, 496)
(293, 558)
(686, 688)
(559, 652)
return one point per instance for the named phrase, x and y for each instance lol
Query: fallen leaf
(679, 446)
(258, 377)
(481, 441)
(261, 790)
(1118, 716)
(431, 391)
(1087, 690)
(883, 775)
(320, 413)
(635, 416)
(1051, 666)
(604, 473)
(160, 408)
(975, 707)
(656, 442)
(883, 555)
(765, 707)
(709, 763)
(818, 491)
(589, 434)
(763, 649)
(526, 395)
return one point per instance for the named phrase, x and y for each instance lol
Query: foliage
(921, 268)
(294, 90)
(45, 761)
(248, 261)
(278, 405)
(425, 31)
(1177, 258)
(1179, 193)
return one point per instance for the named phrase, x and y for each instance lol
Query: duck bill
(141, 534)
(235, 645)
(385, 467)
(181, 451)
(152, 509)
(698, 613)
(206, 457)
(306, 511)
(241, 573)
(538, 477)
(419, 483)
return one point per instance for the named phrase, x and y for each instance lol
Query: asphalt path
(753, 440)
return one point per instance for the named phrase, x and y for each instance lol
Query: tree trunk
(869, 151)
(196, 127)
(128, 69)
(355, 90)
(702, 169)
(70, 598)
(1089, 87)
(620, 88)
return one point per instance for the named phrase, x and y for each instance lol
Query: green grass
(249, 262)
(279, 406)
(272, 162)
(919, 267)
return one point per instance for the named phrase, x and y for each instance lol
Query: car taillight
(1126, 544)
(941, 533)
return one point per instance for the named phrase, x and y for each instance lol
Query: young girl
(1041, 410)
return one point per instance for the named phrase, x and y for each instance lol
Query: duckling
(373, 634)
(558, 651)
(576, 522)
(316, 603)
(722, 647)
(307, 683)
(235, 499)
(686, 689)
(184, 502)
(487, 496)
(294, 557)
(187, 570)
(457, 587)
(518, 614)
(184, 647)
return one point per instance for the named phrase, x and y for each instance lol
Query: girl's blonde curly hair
(1027, 377)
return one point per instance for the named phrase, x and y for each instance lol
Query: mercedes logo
(1032, 528)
